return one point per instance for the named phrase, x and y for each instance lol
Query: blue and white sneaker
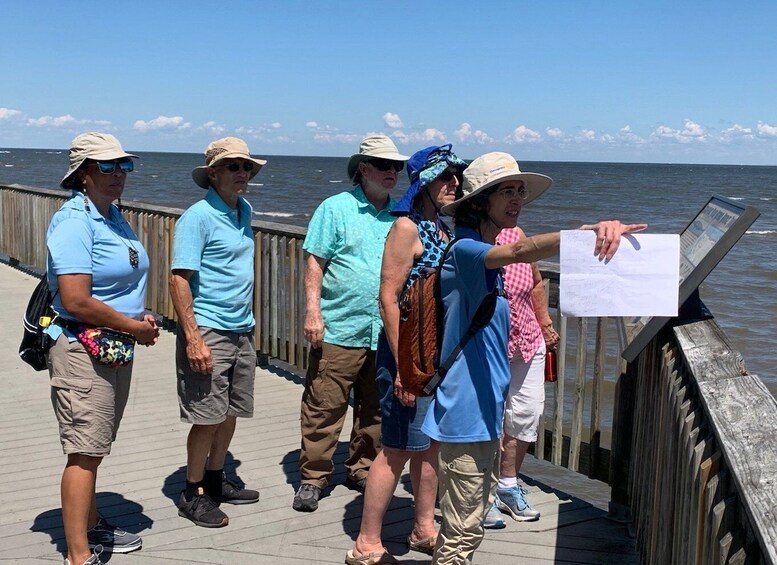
(112, 539)
(513, 502)
(493, 519)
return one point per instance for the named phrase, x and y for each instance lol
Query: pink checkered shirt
(525, 331)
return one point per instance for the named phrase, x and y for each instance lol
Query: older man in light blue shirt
(345, 241)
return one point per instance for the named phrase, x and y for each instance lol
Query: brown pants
(333, 371)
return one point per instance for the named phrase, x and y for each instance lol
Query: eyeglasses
(247, 166)
(513, 193)
(109, 167)
(386, 164)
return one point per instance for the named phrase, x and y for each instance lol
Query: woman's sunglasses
(109, 167)
(386, 164)
(447, 175)
(247, 166)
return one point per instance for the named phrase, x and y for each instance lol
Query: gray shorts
(88, 398)
(228, 390)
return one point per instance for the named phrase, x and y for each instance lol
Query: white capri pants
(526, 396)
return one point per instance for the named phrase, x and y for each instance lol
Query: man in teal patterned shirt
(345, 241)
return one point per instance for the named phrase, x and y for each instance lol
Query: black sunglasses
(386, 164)
(108, 167)
(447, 175)
(247, 166)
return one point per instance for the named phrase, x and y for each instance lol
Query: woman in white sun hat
(467, 409)
(96, 272)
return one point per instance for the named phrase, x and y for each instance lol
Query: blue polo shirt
(349, 233)
(468, 406)
(81, 241)
(217, 243)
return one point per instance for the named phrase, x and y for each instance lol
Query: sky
(596, 80)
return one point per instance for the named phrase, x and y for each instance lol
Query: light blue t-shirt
(349, 233)
(469, 403)
(81, 241)
(217, 243)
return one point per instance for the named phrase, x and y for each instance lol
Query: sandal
(422, 546)
(371, 558)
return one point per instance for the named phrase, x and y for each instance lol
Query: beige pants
(466, 485)
(332, 372)
(88, 398)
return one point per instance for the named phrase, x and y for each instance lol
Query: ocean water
(741, 291)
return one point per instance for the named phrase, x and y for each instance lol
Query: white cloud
(8, 113)
(213, 128)
(324, 137)
(587, 135)
(554, 133)
(162, 123)
(52, 121)
(276, 125)
(736, 131)
(522, 134)
(626, 134)
(392, 120)
(767, 130)
(465, 135)
(429, 135)
(691, 132)
(311, 124)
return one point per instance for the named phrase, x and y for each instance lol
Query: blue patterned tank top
(433, 245)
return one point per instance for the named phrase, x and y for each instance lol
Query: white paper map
(642, 279)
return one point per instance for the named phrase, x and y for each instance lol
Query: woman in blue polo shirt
(97, 273)
(466, 412)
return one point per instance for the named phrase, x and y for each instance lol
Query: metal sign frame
(710, 235)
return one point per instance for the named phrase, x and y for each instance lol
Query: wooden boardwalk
(138, 484)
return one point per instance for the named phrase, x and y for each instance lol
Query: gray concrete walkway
(139, 482)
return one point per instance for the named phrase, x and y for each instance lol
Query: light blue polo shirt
(349, 233)
(468, 406)
(211, 240)
(81, 241)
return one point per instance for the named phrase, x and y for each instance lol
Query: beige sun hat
(96, 146)
(378, 146)
(493, 168)
(226, 148)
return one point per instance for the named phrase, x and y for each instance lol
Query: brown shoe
(371, 558)
(423, 546)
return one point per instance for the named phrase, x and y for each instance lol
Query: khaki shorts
(88, 398)
(228, 390)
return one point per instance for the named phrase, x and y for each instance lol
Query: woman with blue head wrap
(416, 241)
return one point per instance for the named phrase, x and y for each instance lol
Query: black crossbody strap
(481, 318)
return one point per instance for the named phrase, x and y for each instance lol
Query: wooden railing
(693, 454)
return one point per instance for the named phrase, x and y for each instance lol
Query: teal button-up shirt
(349, 234)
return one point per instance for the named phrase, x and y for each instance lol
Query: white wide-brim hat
(374, 146)
(96, 146)
(493, 168)
(226, 148)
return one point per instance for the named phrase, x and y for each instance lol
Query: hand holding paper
(642, 279)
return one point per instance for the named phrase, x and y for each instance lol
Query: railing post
(622, 433)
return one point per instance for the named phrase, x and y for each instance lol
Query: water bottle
(550, 367)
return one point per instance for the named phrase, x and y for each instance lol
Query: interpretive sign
(703, 243)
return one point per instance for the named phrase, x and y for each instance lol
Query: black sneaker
(306, 499)
(232, 493)
(202, 510)
(112, 539)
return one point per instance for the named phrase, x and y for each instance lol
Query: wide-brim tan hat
(374, 146)
(96, 146)
(226, 148)
(493, 168)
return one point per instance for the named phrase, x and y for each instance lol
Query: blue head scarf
(422, 168)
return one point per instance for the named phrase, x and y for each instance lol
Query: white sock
(507, 482)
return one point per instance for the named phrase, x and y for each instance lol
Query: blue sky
(691, 82)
